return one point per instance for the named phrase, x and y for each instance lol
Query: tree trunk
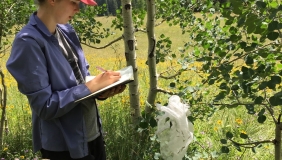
(1, 25)
(151, 55)
(130, 55)
(277, 145)
(3, 100)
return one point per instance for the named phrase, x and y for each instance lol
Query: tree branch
(4, 51)
(238, 100)
(204, 149)
(248, 53)
(252, 144)
(171, 76)
(165, 91)
(10, 9)
(141, 30)
(225, 104)
(107, 45)
(270, 111)
(176, 74)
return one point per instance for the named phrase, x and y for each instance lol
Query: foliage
(13, 14)
(240, 52)
(237, 47)
(89, 30)
(114, 5)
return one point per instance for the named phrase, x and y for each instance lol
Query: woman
(49, 66)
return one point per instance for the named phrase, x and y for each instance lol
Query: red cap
(89, 2)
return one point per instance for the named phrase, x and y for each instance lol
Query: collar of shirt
(35, 21)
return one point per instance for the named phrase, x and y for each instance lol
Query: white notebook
(126, 77)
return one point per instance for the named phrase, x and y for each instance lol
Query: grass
(122, 143)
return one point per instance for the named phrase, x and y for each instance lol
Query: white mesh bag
(175, 131)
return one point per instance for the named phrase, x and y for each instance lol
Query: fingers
(102, 80)
(111, 76)
(113, 91)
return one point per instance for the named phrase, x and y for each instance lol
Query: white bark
(151, 55)
(130, 55)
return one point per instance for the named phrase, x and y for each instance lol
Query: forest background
(221, 57)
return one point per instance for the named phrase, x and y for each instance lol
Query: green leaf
(243, 45)
(229, 135)
(250, 108)
(233, 30)
(261, 4)
(229, 22)
(260, 68)
(272, 26)
(271, 85)
(249, 60)
(278, 94)
(253, 150)
(235, 38)
(222, 54)
(211, 82)
(258, 100)
(220, 96)
(262, 86)
(172, 84)
(223, 86)
(167, 119)
(248, 48)
(223, 141)
(243, 135)
(275, 100)
(272, 35)
(276, 79)
(261, 118)
(153, 122)
(162, 36)
(143, 125)
(273, 4)
(261, 112)
(237, 9)
(235, 87)
(224, 149)
(251, 28)
(241, 21)
(237, 147)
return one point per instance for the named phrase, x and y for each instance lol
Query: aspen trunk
(130, 55)
(3, 100)
(277, 145)
(151, 55)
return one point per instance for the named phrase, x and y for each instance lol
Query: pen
(101, 69)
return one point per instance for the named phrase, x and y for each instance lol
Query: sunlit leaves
(89, 30)
(13, 15)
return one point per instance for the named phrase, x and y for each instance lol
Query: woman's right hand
(102, 80)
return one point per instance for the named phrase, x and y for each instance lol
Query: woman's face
(64, 10)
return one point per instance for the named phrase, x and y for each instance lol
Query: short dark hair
(39, 2)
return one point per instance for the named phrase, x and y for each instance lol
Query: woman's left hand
(113, 91)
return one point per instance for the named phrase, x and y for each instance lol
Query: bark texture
(130, 55)
(151, 55)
